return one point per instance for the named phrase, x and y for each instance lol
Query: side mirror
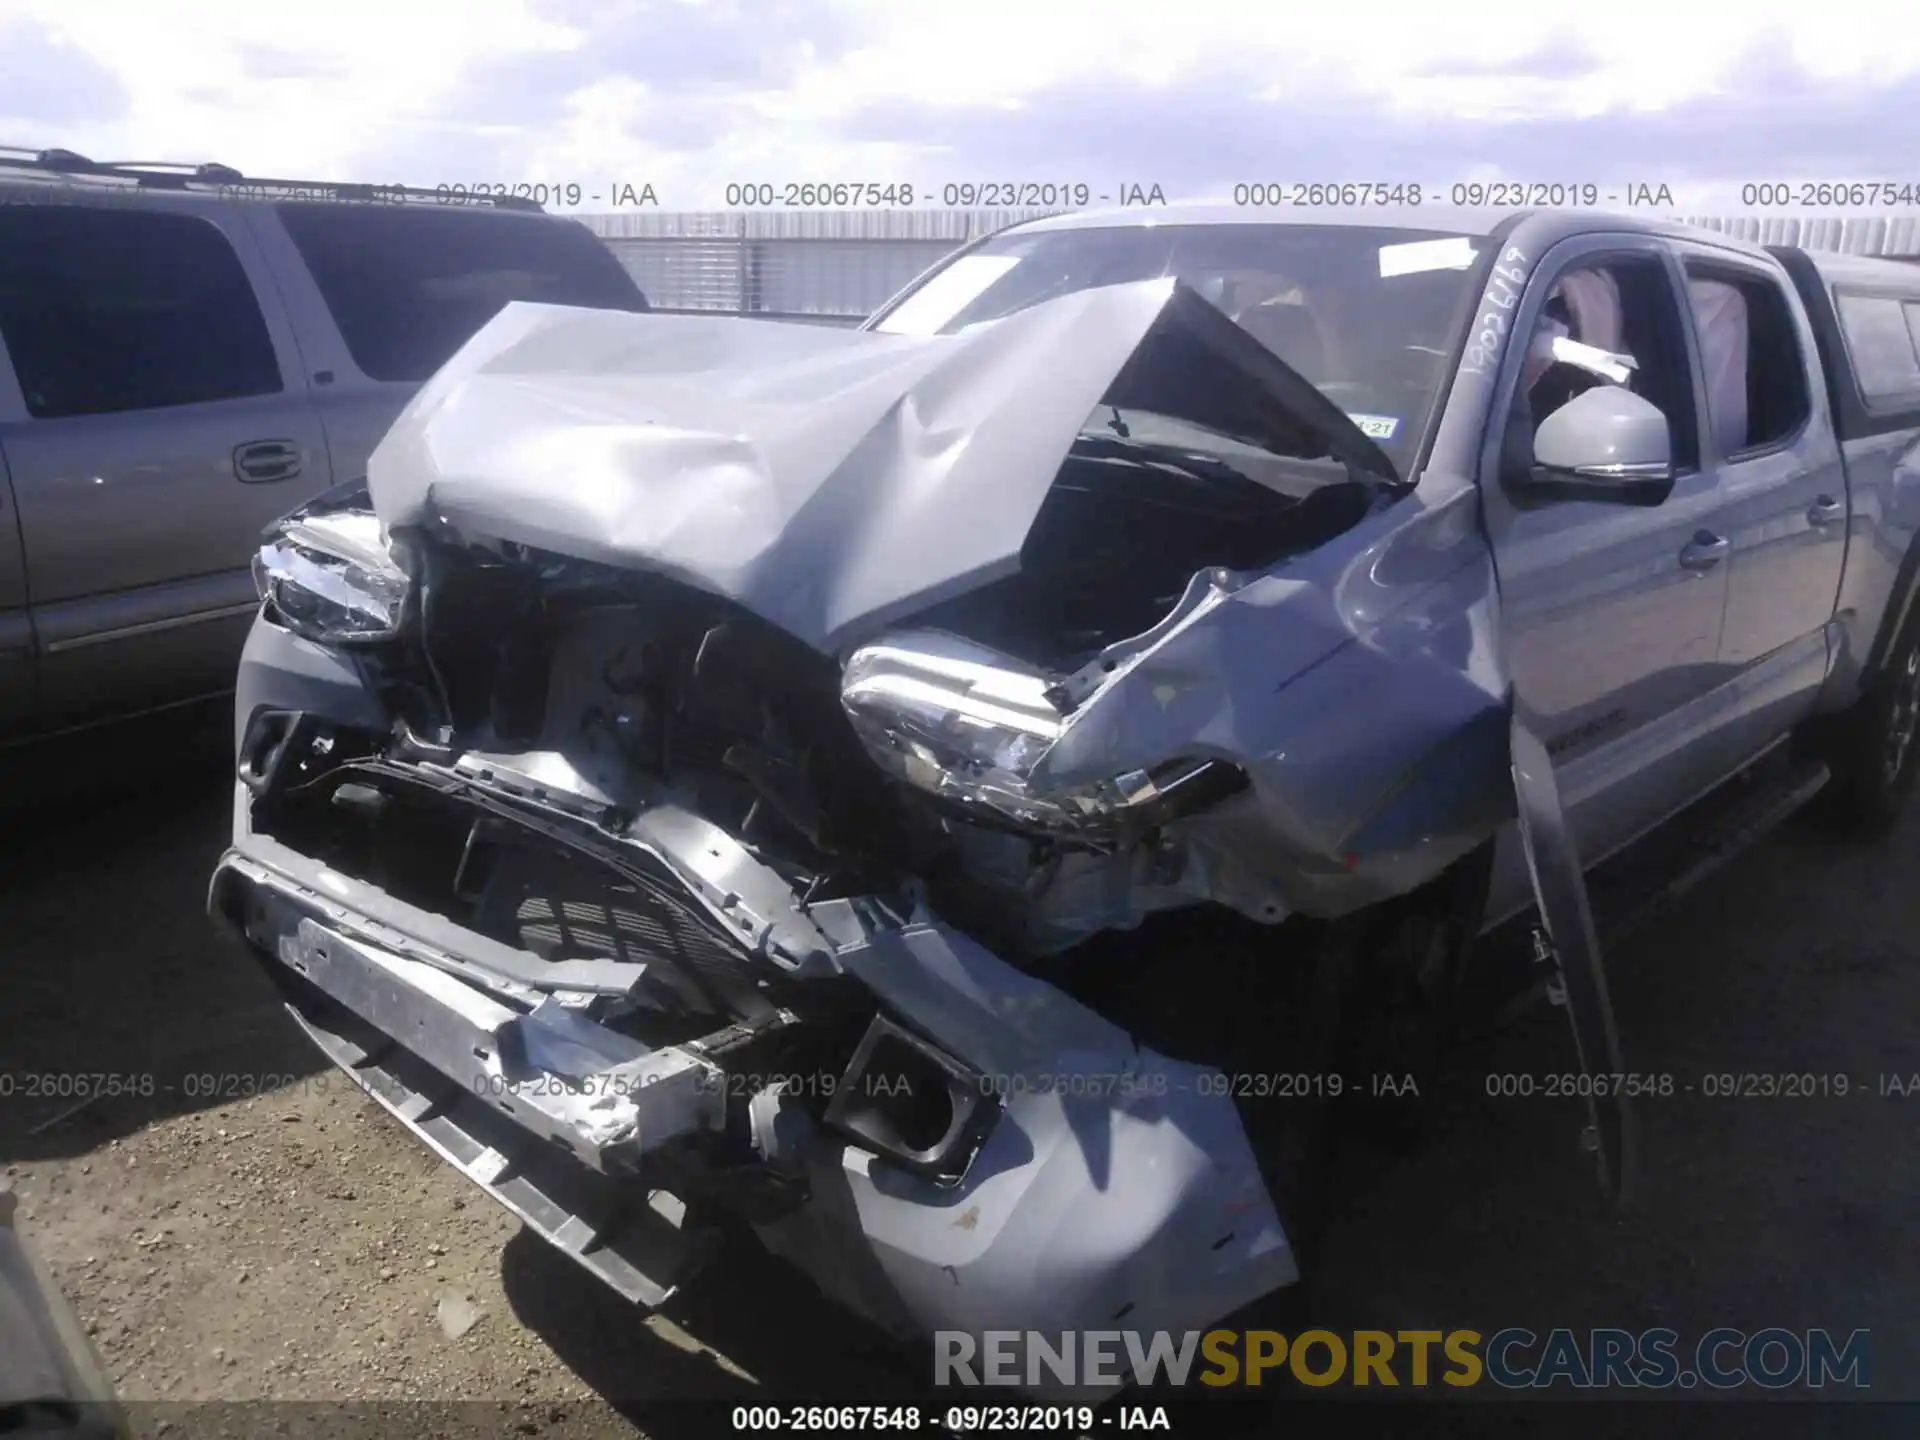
(1607, 445)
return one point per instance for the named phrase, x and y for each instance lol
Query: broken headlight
(970, 725)
(330, 576)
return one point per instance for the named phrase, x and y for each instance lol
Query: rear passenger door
(382, 294)
(1776, 461)
(164, 421)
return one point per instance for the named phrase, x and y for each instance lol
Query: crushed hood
(829, 480)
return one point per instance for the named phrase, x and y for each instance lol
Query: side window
(1880, 346)
(1756, 376)
(408, 285)
(107, 310)
(1624, 308)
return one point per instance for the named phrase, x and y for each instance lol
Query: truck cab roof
(1456, 220)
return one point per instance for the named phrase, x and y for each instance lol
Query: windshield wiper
(1121, 445)
(1196, 467)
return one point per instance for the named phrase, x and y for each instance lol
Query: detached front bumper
(1115, 1182)
(1111, 1186)
(549, 1144)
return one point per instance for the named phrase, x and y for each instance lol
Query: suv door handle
(260, 462)
(1825, 510)
(1704, 551)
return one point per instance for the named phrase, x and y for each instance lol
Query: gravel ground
(257, 1230)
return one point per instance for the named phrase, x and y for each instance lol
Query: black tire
(1294, 1134)
(1870, 747)
(1380, 995)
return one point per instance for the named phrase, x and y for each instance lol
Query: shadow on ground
(120, 1001)
(748, 1330)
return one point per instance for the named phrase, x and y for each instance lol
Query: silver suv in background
(187, 354)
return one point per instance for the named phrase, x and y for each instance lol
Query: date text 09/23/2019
(953, 195)
(954, 1419)
(1466, 195)
(1116, 1085)
(1263, 193)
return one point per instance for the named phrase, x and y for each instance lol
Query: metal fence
(830, 267)
(836, 267)
(1893, 236)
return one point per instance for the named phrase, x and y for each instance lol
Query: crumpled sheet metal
(834, 482)
(1140, 1197)
(828, 480)
(1359, 687)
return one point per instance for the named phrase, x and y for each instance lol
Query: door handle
(260, 462)
(1705, 550)
(1825, 511)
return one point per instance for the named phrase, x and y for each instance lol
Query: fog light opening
(910, 1102)
(908, 1092)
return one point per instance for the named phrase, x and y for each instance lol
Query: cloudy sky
(1194, 96)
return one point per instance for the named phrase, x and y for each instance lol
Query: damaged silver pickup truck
(885, 789)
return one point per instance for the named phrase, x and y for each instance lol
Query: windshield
(1367, 315)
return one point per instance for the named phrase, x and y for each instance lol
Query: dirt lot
(254, 1229)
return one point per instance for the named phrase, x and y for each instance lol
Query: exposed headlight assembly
(329, 574)
(970, 725)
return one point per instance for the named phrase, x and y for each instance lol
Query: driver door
(1611, 613)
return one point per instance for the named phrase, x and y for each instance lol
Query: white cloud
(442, 91)
(192, 97)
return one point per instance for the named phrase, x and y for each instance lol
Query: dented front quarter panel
(1332, 681)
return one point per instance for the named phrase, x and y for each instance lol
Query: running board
(1632, 890)
(1631, 893)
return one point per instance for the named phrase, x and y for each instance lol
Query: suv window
(116, 309)
(1755, 375)
(1880, 346)
(408, 285)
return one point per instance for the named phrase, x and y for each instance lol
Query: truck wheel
(1872, 750)
(1381, 999)
(1293, 1133)
(1401, 1019)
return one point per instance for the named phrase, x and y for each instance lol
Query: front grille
(509, 882)
(567, 911)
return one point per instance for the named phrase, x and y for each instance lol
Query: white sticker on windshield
(1376, 427)
(1456, 252)
(935, 303)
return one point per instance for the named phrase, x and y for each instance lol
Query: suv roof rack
(172, 175)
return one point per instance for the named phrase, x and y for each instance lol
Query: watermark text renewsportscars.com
(1514, 1358)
